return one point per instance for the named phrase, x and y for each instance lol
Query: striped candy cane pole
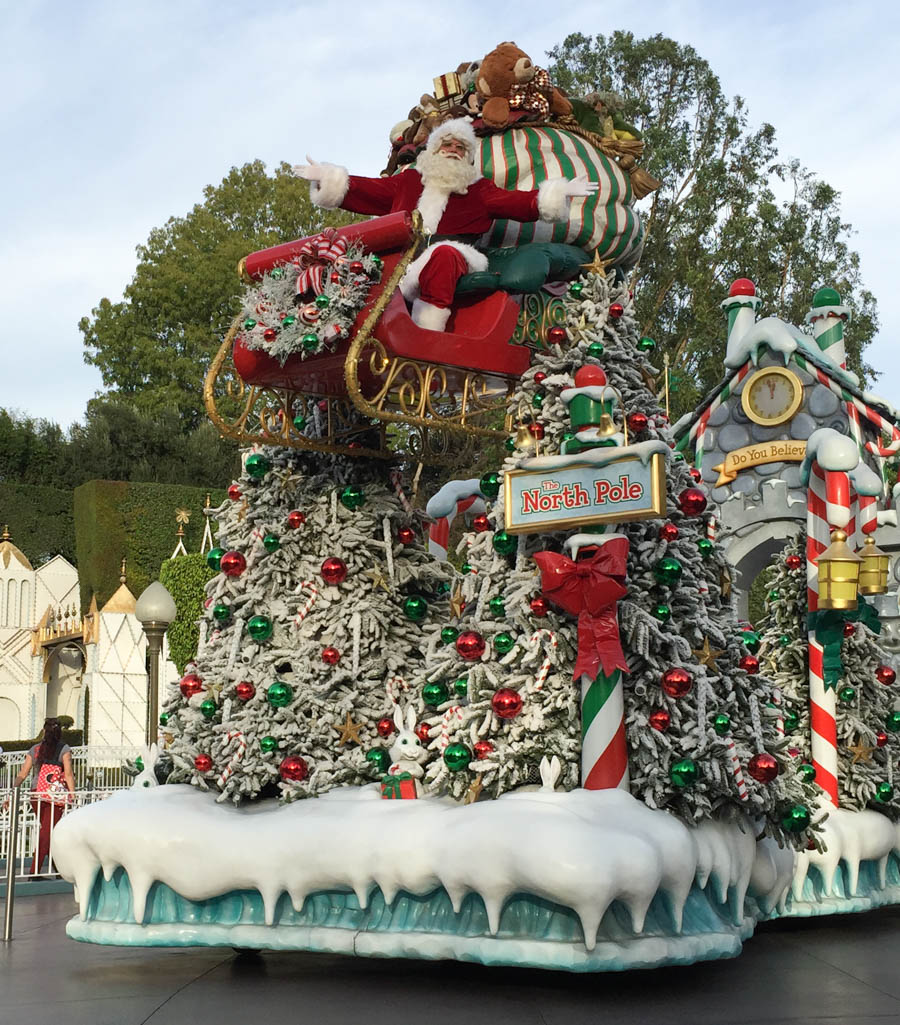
(737, 771)
(547, 664)
(453, 712)
(453, 499)
(391, 685)
(228, 771)
(604, 755)
(308, 604)
(827, 318)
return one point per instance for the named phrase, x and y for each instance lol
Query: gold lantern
(874, 572)
(839, 568)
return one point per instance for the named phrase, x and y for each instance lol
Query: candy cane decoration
(396, 480)
(547, 664)
(453, 499)
(604, 754)
(228, 771)
(737, 771)
(308, 604)
(453, 712)
(391, 683)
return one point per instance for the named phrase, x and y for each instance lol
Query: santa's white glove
(580, 186)
(312, 171)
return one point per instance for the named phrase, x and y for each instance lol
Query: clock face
(772, 396)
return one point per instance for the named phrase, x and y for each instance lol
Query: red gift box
(401, 787)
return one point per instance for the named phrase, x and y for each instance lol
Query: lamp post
(155, 610)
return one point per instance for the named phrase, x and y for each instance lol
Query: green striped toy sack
(521, 158)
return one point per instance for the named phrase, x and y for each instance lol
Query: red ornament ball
(660, 720)
(481, 524)
(190, 685)
(483, 749)
(406, 535)
(590, 376)
(539, 606)
(506, 703)
(322, 404)
(421, 732)
(763, 767)
(668, 532)
(743, 286)
(234, 492)
(331, 656)
(540, 377)
(335, 277)
(695, 474)
(334, 571)
(536, 430)
(885, 675)
(270, 334)
(616, 310)
(676, 682)
(750, 664)
(638, 422)
(793, 562)
(356, 267)
(385, 727)
(881, 738)
(232, 564)
(203, 763)
(556, 335)
(293, 769)
(470, 645)
(296, 519)
(245, 690)
(692, 501)
(849, 629)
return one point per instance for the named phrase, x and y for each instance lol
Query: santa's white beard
(444, 173)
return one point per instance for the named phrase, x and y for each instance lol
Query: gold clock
(772, 396)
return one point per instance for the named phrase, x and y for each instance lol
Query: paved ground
(841, 971)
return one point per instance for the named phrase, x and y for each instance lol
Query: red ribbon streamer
(315, 256)
(589, 589)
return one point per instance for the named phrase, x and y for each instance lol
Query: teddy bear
(508, 80)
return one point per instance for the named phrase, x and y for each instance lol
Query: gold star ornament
(706, 655)
(376, 575)
(474, 791)
(349, 731)
(457, 605)
(597, 265)
(861, 752)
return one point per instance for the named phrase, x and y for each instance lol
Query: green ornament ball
(576, 288)
(208, 709)
(663, 613)
(751, 641)
(684, 773)
(271, 542)
(568, 436)
(279, 694)
(489, 485)
(449, 634)
(268, 744)
(415, 608)
(504, 544)
(784, 640)
(846, 694)
(249, 324)
(323, 302)
(260, 628)
(884, 792)
(467, 567)
(646, 345)
(310, 341)
(705, 547)
(379, 759)
(461, 687)
(668, 570)
(435, 693)
(497, 606)
(807, 772)
(503, 643)
(893, 722)
(538, 401)
(377, 261)
(353, 497)
(510, 444)
(596, 349)
(299, 422)
(722, 724)
(257, 466)
(773, 595)
(164, 719)
(289, 321)
(214, 557)
(796, 819)
(221, 612)
(277, 273)
(457, 757)
(791, 720)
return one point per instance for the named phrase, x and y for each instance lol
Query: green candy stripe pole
(604, 755)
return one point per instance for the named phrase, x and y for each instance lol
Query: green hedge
(74, 738)
(40, 520)
(115, 519)
(185, 578)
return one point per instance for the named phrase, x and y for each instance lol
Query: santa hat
(457, 128)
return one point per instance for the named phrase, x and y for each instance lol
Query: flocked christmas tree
(868, 725)
(701, 735)
(313, 626)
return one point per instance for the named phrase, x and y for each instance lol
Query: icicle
(388, 547)
(356, 627)
(235, 645)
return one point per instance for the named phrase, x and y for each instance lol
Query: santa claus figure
(457, 205)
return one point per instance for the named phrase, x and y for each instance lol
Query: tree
(717, 215)
(153, 347)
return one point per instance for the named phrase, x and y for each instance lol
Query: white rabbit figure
(550, 770)
(147, 777)
(407, 753)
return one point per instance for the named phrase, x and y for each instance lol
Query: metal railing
(94, 767)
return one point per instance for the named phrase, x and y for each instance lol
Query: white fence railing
(94, 767)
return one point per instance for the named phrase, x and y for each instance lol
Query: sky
(114, 116)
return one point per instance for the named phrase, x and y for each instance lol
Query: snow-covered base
(522, 880)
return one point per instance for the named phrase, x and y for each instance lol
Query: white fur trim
(553, 203)
(432, 318)
(331, 188)
(432, 204)
(409, 285)
(457, 128)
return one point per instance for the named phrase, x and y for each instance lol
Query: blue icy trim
(815, 901)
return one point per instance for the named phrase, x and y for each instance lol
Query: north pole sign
(567, 491)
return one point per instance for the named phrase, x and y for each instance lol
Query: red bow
(590, 589)
(316, 254)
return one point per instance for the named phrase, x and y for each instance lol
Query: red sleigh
(447, 387)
